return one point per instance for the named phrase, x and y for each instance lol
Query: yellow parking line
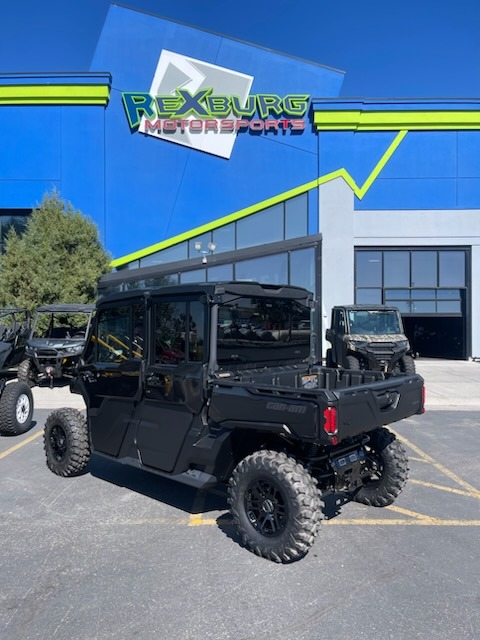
(428, 522)
(441, 487)
(424, 521)
(20, 444)
(407, 512)
(196, 520)
(440, 467)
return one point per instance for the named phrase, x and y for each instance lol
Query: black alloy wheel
(58, 442)
(266, 507)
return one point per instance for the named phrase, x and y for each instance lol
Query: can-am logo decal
(203, 106)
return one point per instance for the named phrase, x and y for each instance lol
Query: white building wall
(343, 229)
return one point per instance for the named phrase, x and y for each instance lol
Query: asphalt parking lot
(118, 553)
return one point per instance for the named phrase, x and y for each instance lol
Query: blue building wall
(156, 189)
(141, 190)
(53, 147)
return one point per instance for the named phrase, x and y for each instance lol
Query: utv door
(112, 373)
(173, 380)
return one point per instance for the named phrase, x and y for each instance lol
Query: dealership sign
(204, 106)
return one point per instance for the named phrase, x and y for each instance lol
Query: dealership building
(202, 158)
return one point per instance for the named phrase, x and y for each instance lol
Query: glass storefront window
(424, 268)
(423, 306)
(219, 273)
(302, 268)
(12, 219)
(224, 238)
(196, 275)
(368, 268)
(403, 306)
(296, 217)
(172, 254)
(261, 228)
(397, 294)
(268, 269)
(449, 306)
(369, 296)
(396, 266)
(451, 268)
(423, 294)
(448, 294)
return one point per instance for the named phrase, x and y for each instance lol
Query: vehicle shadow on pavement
(171, 492)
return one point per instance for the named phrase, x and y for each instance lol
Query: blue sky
(407, 48)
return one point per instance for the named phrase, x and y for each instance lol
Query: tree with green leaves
(58, 259)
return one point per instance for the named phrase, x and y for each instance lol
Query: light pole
(211, 246)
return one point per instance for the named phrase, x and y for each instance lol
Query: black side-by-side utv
(16, 401)
(57, 339)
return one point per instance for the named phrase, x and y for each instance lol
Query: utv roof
(67, 308)
(367, 307)
(238, 288)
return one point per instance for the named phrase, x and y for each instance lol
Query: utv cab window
(260, 330)
(119, 334)
(179, 332)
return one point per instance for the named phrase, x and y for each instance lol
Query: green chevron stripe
(243, 213)
(54, 94)
(356, 120)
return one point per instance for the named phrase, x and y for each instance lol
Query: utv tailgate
(365, 407)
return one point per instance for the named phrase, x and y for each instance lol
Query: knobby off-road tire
(388, 460)
(275, 505)
(66, 442)
(407, 365)
(26, 374)
(353, 363)
(16, 409)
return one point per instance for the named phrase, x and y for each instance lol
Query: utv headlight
(403, 344)
(357, 344)
(75, 349)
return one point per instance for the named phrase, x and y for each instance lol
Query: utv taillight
(330, 421)
(424, 394)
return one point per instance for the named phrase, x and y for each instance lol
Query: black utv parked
(16, 401)
(217, 383)
(14, 331)
(56, 340)
(369, 337)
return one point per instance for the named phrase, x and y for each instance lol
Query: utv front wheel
(407, 365)
(388, 466)
(66, 442)
(26, 373)
(16, 409)
(353, 363)
(275, 505)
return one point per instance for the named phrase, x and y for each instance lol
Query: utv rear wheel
(275, 505)
(388, 465)
(66, 442)
(26, 373)
(16, 409)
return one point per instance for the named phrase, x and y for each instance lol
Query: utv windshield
(262, 330)
(374, 322)
(61, 325)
